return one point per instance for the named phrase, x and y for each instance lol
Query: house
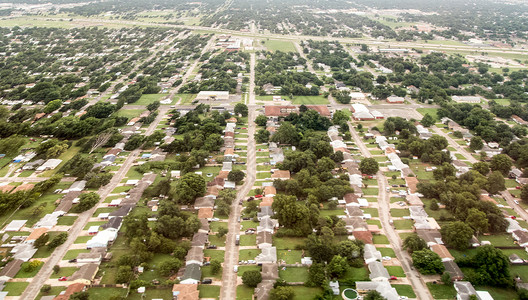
(204, 202)
(521, 237)
(94, 256)
(382, 287)
(364, 236)
(515, 259)
(355, 224)
(212, 95)
(185, 291)
(102, 239)
(281, 174)
(33, 165)
(467, 99)
(431, 237)
(452, 268)
(70, 290)
(464, 290)
(270, 191)
(513, 225)
(395, 99)
(114, 223)
(378, 272)
(268, 255)
(515, 173)
(267, 224)
(195, 256)
(205, 213)
(353, 211)
(11, 269)
(50, 164)
(264, 239)
(199, 239)
(265, 211)
(35, 234)
(77, 186)
(371, 254)
(15, 225)
(442, 251)
(192, 274)
(85, 274)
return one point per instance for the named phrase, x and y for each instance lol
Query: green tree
(32, 266)
(282, 293)
(501, 163)
(457, 235)
(236, 176)
(316, 274)
(446, 278)
(189, 187)
(52, 106)
(80, 296)
(414, 243)
(496, 182)
(222, 231)
(261, 120)
(41, 240)
(373, 295)
(286, 134)
(241, 109)
(492, 266)
(153, 106)
(45, 289)
(369, 166)
(170, 266)
(524, 193)
(216, 266)
(58, 240)
(427, 120)
(476, 143)
(86, 201)
(477, 220)
(252, 278)
(124, 274)
(481, 167)
(292, 214)
(427, 262)
(262, 136)
(56, 269)
(337, 266)
(350, 249)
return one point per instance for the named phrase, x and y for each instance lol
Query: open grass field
(441, 291)
(244, 292)
(292, 274)
(129, 113)
(276, 45)
(309, 100)
(431, 111)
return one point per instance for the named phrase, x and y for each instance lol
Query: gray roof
(264, 237)
(199, 239)
(204, 202)
(265, 211)
(464, 289)
(270, 271)
(86, 272)
(11, 268)
(452, 268)
(377, 270)
(370, 252)
(192, 271)
(113, 223)
(121, 212)
(268, 255)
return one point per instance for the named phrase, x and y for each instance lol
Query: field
(284, 46)
(146, 99)
(431, 111)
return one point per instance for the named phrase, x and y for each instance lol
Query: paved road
(229, 277)
(34, 286)
(412, 275)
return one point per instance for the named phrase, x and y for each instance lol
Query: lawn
(15, 288)
(150, 294)
(146, 99)
(209, 291)
(184, 98)
(248, 240)
(309, 100)
(357, 274)
(499, 240)
(214, 240)
(244, 292)
(55, 291)
(216, 225)
(288, 243)
(207, 272)
(129, 113)
(71, 254)
(248, 254)
(243, 269)
(431, 111)
(64, 271)
(499, 293)
(504, 102)
(372, 211)
(275, 45)
(441, 291)
(370, 191)
(399, 213)
(403, 224)
(303, 293)
(380, 239)
(289, 256)
(404, 290)
(293, 274)
(395, 271)
(215, 254)
(386, 252)
(31, 274)
(96, 223)
(66, 220)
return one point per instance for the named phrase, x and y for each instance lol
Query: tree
(124, 274)
(476, 143)
(52, 106)
(241, 109)
(369, 166)
(496, 182)
(481, 167)
(58, 240)
(492, 266)
(86, 201)
(45, 289)
(286, 134)
(374, 295)
(41, 240)
(222, 231)
(262, 136)
(282, 293)
(427, 120)
(170, 266)
(80, 296)
(501, 163)
(524, 193)
(427, 262)
(101, 140)
(32, 266)
(216, 266)
(56, 269)
(236, 176)
(457, 235)
(292, 214)
(316, 274)
(96, 180)
(446, 278)
(189, 187)
(337, 266)
(414, 243)
(261, 120)
(350, 249)
(153, 106)
(252, 278)
(477, 220)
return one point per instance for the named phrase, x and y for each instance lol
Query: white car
(516, 201)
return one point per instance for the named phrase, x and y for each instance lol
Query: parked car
(393, 278)
(258, 196)
(72, 260)
(207, 281)
(212, 247)
(63, 278)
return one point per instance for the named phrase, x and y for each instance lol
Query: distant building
(467, 99)
(213, 95)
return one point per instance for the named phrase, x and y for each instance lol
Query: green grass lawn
(15, 288)
(216, 225)
(309, 100)
(504, 102)
(209, 291)
(357, 274)
(185, 98)
(242, 269)
(214, 240)
(275, 45)
(248, 240)
(129, 113)
(431, 111)
(151, 294)
(370, 191)
(215, 254)
(71, 254)
(106, 292)
(303, 293)
(66, 220)
(499, 293)
(23, 274)
(207, 272)
(96, 223)
(244, 292)
(403, 224)
(380, 239)
(64, 271)
(248, 254)
(395, 271)
(146, 99)
(289, 256)
(399, 213)
(55, 291)
(441, 291)
(498, 240)
(386, 251)
(292, 274)
(372, 211)
(288, 243)
(404, 290)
